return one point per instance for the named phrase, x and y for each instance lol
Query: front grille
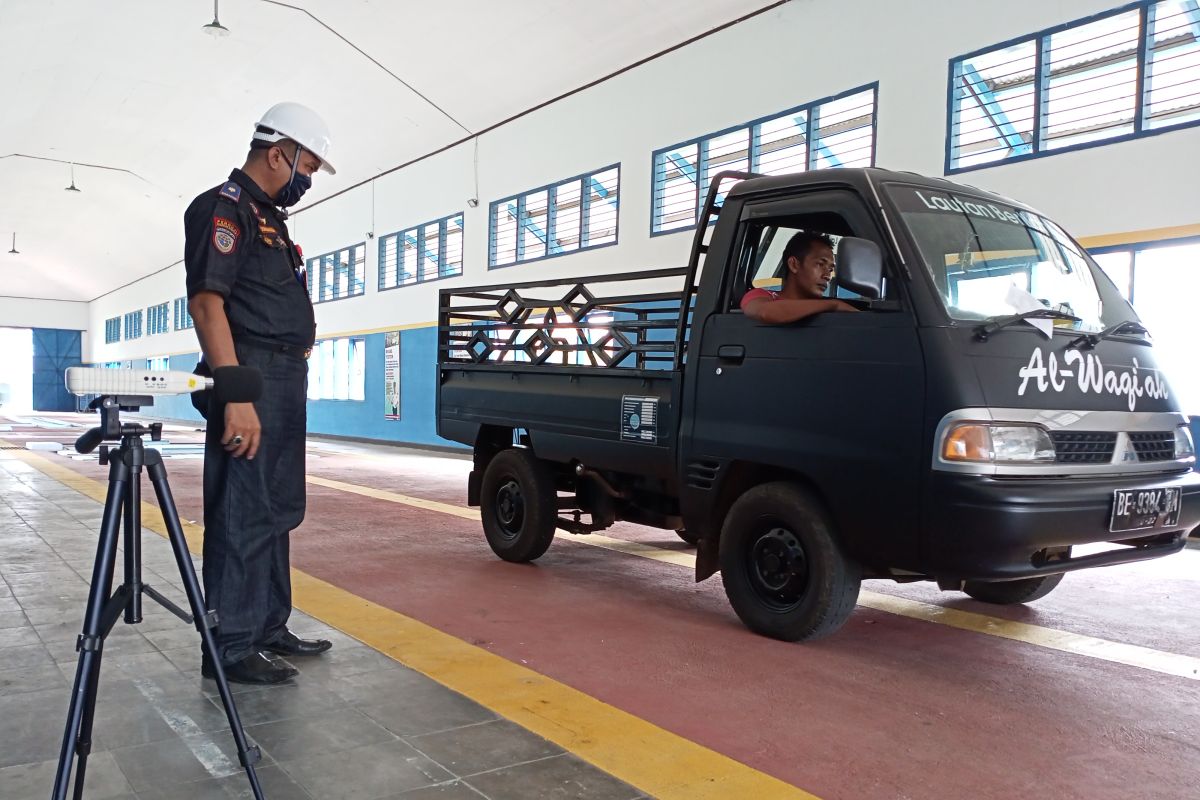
(1071, 447)
(1156, 446)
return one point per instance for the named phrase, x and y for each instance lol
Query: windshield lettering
(960, 206)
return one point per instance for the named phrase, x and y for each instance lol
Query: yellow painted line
(1138, 237)
(1078, 644)
(653, 760)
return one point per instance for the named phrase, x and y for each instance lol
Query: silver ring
(236, 439)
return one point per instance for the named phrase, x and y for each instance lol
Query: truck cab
(992, 405)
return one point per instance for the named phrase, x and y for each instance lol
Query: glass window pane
(567, 200)
(1092, 89)
(454, 247)
(782, 146)
(533, 225)
(675, 188)
(1166, 283)
(602, 208)
(845, 134)
(993, 104)
(504, 232)
(1117, 266)
(1173, 64)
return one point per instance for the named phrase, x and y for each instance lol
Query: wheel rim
(510, 508)
(778, 568)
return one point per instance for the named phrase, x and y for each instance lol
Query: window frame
(139, 329)
(846, 202)
(182, 319)
(1041, 88)
(443, 223)
(1133, 248)
(112, 330)
(807, 108)
(315, 289)
(549, 188)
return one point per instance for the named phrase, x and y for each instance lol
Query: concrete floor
(1093, 692)
(355, 725)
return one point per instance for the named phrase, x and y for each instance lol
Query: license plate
(1142, 509)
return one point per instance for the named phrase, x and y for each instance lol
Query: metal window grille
(337, 275)
(157, 319)
(183, 317)
(1118, 75)
(133, 325)
(422, 253)
(572, 215)
(838, 131)
(112, 330)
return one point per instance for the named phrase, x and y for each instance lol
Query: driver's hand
(842, 306)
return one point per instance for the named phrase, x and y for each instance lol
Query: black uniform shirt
(236, 245)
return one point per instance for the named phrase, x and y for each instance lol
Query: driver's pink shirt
(757, 294)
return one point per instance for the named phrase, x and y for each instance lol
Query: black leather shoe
(254, 668)
(289, 644)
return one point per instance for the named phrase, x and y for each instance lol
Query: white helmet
(300, 124)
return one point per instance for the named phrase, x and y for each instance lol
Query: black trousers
(251, 507)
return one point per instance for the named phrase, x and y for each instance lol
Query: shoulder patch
(231, 190)
(225, 235)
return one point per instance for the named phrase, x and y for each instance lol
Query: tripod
(104, 606)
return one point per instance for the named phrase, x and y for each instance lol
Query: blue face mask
(296, 186)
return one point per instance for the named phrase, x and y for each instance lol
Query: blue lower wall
(178, 406)
(418, 396)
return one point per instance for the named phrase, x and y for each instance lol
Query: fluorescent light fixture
(215, 28)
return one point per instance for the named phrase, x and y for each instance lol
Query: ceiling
(152, 110)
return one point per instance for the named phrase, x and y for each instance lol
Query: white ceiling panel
(136, 87)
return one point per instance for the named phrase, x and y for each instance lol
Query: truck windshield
(989, 259)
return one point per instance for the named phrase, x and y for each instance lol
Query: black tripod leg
(87, 674)
(247, 754)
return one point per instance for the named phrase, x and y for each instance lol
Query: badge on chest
(268, 234)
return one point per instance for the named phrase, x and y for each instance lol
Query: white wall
(23, 312)
(803, 51)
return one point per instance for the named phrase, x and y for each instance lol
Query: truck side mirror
(860, 267)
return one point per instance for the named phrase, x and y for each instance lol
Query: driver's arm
(785, 310)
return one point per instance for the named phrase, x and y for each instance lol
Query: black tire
(688, 536)
(1007, 593)
(784, 573)
(518, 505)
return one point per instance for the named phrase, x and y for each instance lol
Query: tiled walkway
(354, 725)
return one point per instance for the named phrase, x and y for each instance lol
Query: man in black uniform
(249, 301)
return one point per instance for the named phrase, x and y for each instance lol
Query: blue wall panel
(178, 406)
(418, 385)
(54, 351)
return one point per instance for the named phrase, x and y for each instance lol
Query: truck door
(836, 398)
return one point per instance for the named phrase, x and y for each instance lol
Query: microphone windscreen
(87, 443)
(237, 384)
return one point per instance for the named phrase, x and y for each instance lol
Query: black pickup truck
(992, 418)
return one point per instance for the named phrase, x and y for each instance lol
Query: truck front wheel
(783, 571)
(518, 505)
(1007, 593)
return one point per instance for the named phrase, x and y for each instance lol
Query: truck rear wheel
(1007, 593)
(783, 571)
(518, 505)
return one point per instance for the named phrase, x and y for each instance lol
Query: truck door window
(761, 265)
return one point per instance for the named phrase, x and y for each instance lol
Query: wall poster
(391, 375)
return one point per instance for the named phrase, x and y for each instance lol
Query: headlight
(1184, 448)
(998, 444)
